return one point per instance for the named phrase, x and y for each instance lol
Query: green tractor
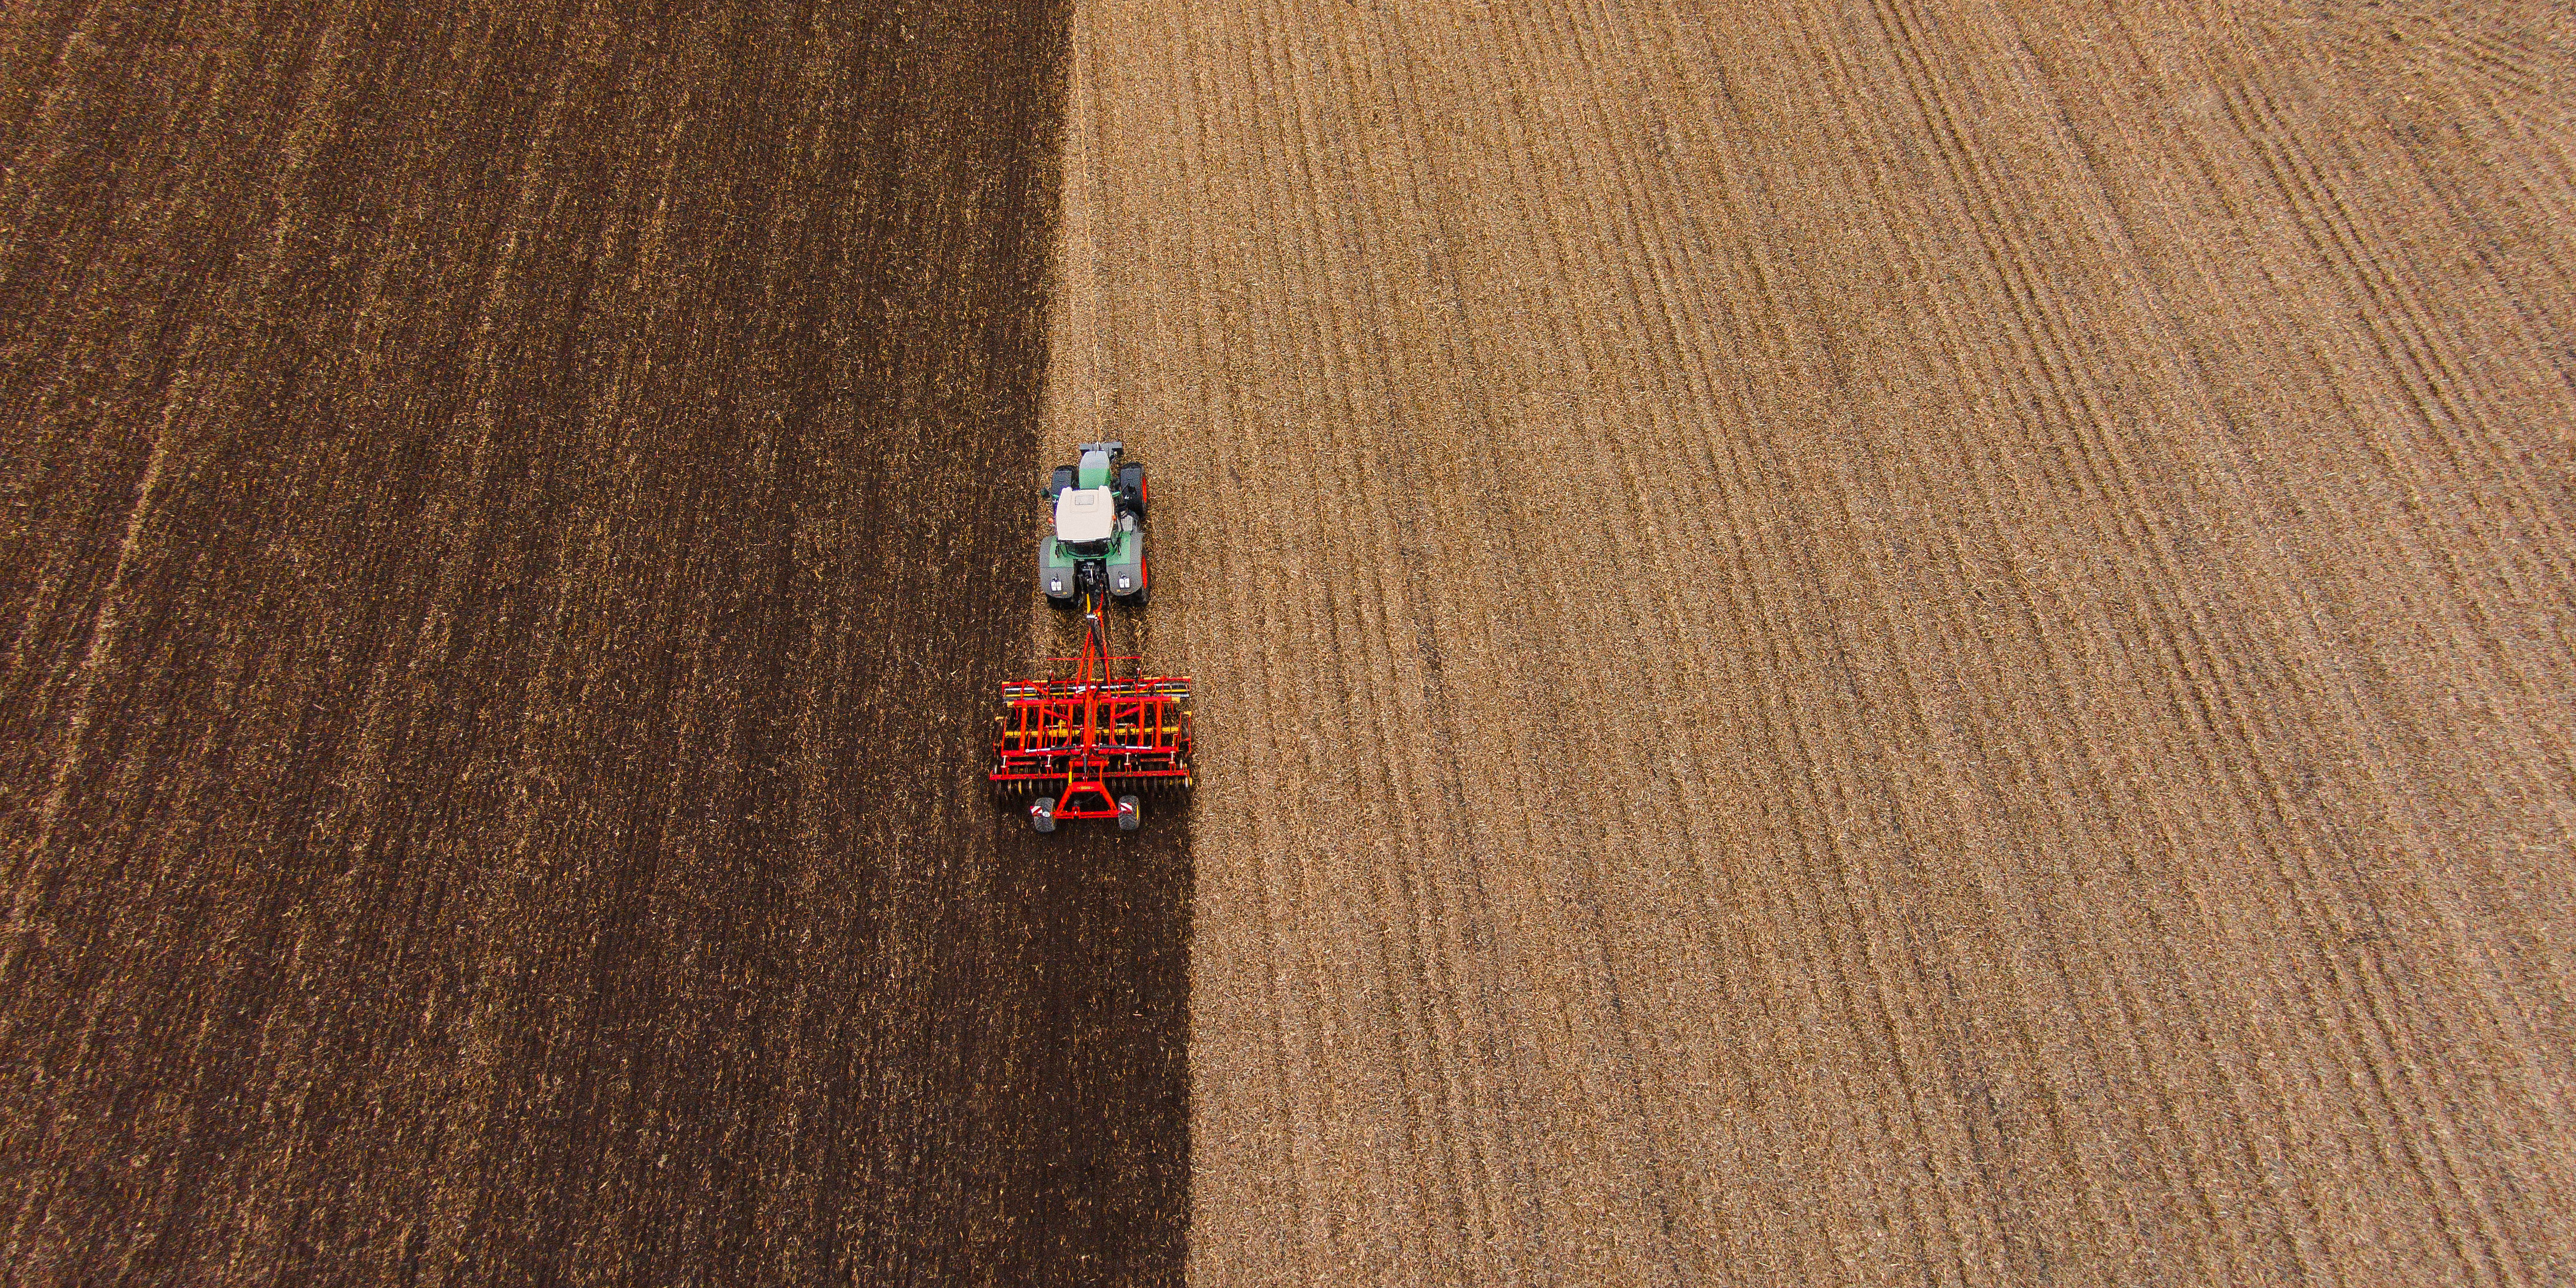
(1098, 546)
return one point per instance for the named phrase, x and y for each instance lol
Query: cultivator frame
(1092, 744)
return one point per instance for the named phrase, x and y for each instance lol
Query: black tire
(1058, 482)
(1131, 488)
(1142, 594)
(1042, 814)
(1131, 813)
(1064, 605)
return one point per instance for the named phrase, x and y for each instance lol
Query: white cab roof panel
(1085, 514)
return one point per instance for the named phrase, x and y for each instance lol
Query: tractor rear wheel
(1137, 597)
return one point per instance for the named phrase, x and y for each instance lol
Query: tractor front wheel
(1131, 487)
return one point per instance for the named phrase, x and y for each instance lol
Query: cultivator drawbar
(1093, 744)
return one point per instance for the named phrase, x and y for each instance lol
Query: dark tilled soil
(512, 518)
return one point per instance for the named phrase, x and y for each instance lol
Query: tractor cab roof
(1085, 515)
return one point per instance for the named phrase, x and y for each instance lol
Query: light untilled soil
(1849, 644)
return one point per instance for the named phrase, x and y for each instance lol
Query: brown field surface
(513, 517)
(1838, 643)
(1885, 642)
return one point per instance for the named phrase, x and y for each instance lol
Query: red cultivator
(1092, 745)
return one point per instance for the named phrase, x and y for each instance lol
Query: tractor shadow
(1095, 1148)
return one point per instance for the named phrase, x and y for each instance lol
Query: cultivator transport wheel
(1096, 741)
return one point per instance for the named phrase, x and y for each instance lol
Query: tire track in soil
(513, 518)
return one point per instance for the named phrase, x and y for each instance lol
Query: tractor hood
(1085, 515)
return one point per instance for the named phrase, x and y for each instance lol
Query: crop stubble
(515, 513)
(1846, 643)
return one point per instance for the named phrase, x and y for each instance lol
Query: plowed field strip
(514, 518)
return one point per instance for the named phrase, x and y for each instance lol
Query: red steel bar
(1090, 737)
